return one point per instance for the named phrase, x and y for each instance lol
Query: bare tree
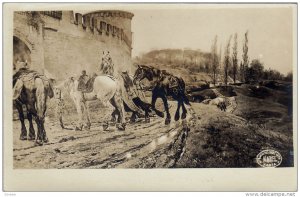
(227, 60)
(234, 58)
(220, 61)
(214, 59)
(242, 72)
(245, 63)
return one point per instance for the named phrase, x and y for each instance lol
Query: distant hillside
(184, 63)
(191, 65)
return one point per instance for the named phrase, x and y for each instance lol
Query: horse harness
(26, 75)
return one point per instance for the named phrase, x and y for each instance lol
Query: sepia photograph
(150, 86)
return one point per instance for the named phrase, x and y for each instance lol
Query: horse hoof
(176, 118)
(132, 120)
(113, 120)
(105, 127)
(87, 127)
(78, 129)
(183, 116)
(23, 137)
(62, 126)
(31, 138)
(121, 127)
(167, 121)
(46, 140)
(147, 120)
(38, 143)
(160, 114)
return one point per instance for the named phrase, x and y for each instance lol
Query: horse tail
(49, 89)
(17, 89)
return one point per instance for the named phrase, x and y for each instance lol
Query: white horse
(105, 89)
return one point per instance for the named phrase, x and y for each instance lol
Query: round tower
(121, 20)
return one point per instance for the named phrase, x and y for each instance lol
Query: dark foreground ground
(208, 138)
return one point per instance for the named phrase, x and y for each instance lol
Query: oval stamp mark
(269, 158)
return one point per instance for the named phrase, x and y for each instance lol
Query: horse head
(143, 72)
(67, 84)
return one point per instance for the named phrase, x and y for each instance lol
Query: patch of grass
(221, 140)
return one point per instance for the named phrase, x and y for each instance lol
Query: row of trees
(244, 72)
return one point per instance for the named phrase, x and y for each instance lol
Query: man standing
(82, 81)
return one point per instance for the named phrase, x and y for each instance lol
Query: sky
(195, 26)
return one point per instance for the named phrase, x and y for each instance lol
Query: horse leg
(179, 104)
(113, 115)
(133, 117)
(146, 108)
(184, 111)
(154, 98)
(159, 113)
(40, 106)
(168, 118)
(33, 111)
(44, 136)
(79, 112)
(87, 115)
(115, 112)
(31, 128)
(41, 134)
(147, 118)
(59, 112)
(23, 135)
(120, 107)
(61, 121)
(153, 101)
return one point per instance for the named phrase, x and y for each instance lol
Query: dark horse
(31, 89)
(164, 84)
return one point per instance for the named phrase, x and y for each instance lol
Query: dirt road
(96, 148)
(209, 138)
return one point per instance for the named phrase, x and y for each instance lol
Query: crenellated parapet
(98, 23)
(112, 13)
(93, 24)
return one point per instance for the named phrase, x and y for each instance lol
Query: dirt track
(96, 148)
(209, 138)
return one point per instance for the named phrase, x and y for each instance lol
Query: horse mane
(151, 71)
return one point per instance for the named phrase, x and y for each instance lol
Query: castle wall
(32, 37)
(78, 53)
(71, 43)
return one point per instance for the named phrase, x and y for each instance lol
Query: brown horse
(32, 90)
(164, 84)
